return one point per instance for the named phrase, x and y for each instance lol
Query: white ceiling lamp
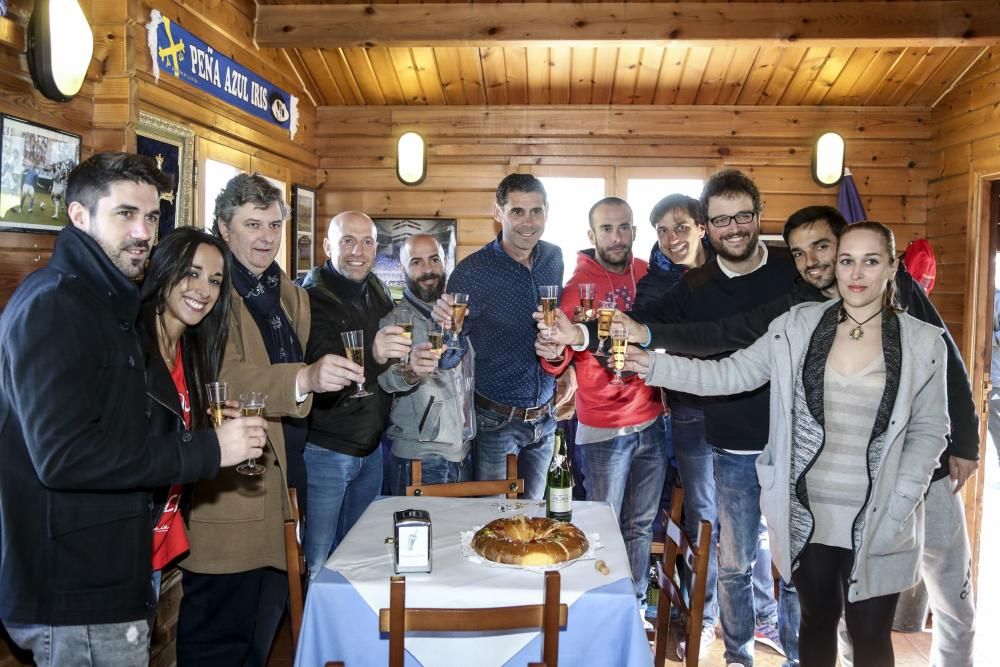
(60, 46)
(411, 158)
(828, 159)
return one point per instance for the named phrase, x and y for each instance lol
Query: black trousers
(822, 583)
(230, 619)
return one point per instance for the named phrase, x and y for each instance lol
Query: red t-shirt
(169, 538)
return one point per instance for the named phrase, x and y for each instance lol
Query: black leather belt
(523, 414)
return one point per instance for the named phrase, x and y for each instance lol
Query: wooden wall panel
(965, 156)
(471, 149)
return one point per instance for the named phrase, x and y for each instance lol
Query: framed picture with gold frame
(172, 146)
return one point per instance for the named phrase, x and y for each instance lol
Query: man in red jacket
(621, 434)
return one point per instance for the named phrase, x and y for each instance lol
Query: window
(570, 200)
(642, 195)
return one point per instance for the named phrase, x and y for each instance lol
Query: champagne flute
(619, 347)
(459, 308)
(587, 300)
(252, 404)
(604, 315)
(548, 297)
(354, 346)
(404, 320)
(218, 394)
(435, 336)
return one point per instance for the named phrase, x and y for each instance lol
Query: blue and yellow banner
(190, 59)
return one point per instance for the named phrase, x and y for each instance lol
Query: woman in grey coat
(858, 420)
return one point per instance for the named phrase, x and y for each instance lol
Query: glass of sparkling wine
(435, 336)
(404, 320)
(619, 347)
(218, 394)
(354, 346)
(587, 301)
(459, 308)
(548, 297)
(604, 315)
(252, 404)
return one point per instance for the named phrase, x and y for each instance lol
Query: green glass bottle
(559, 489)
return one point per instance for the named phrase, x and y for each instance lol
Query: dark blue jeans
(628, 472)
(498, 435)
(433, 470)
(738, 502)
(341, 487)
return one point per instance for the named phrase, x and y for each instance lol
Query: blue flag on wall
(849, 201)
(190, 59)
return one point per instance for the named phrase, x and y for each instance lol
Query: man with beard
(621, 435)
(342, 453)
(432, 417)
(745, 273)
(79, 465)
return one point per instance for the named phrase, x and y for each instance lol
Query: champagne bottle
(559, 491)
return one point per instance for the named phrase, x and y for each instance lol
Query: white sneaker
(707, 639)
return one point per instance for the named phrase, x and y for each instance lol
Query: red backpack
(920, 262)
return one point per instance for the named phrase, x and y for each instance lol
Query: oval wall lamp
(60, 46)
(411, 158)
(828, 159)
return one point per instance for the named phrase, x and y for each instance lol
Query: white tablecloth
(365, 561)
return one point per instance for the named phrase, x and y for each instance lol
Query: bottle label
(560, 500)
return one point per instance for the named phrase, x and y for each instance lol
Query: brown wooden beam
(657, 23)
(12, 35)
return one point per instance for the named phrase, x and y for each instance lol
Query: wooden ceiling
(346, 53)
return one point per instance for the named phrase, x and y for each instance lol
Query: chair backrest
(295, 563)
(511, 486)
(550, 616)
(694, 555)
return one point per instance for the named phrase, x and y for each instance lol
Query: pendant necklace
(858, 332)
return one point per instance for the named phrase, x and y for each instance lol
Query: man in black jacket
(343, 457)
(76, 510)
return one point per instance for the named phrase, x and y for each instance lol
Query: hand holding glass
(548, 297)
(587, 301)
(252, 404)
(354, 346)
(435, 336)
(404, 320)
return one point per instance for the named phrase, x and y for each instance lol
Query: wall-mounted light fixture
(60, 46)
(411, 158)
(828, 159)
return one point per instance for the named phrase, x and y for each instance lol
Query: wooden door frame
(981, 245)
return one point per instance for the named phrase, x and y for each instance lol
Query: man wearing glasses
(745, 273)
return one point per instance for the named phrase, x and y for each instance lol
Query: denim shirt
(503, 294)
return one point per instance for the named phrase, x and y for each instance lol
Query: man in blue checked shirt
(513, 393)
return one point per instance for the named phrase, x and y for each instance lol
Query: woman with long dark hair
(184, 321)
(858, 420)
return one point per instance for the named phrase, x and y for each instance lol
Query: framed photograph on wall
(304, 224)
(172, 146)
(34, 163)
(392, 232)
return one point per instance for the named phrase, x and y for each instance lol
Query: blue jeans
(696, 468)
(110, 644)
(738, 497)
(628, 472)
(434, 470)
(341, 487)
(498, 435)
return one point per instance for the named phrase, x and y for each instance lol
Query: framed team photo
(35, 162)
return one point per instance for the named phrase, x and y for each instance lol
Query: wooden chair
(695, 557)
(511, 486)
(295, 563)
(550, 616)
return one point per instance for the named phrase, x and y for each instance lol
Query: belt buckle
(532, 414)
